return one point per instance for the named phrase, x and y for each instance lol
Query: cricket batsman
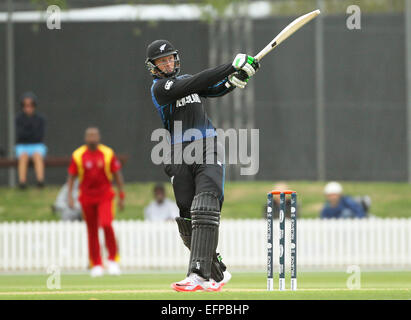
(198, 185)
(96, 165)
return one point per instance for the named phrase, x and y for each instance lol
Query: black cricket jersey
(179, 99)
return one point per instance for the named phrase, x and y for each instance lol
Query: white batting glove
(246, 63)
(235, 81)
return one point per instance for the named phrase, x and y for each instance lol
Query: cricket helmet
(158, 49)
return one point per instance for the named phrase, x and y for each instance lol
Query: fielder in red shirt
(96, 165)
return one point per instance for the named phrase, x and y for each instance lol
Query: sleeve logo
(168, 85)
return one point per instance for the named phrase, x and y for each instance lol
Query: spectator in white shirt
(161, 208)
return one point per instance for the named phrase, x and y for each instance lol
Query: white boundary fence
(379, 243)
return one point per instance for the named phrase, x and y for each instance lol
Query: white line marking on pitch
(237, 290)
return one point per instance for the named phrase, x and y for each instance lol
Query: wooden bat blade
(287, 31)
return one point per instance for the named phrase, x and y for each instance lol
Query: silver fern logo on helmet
(158, 49)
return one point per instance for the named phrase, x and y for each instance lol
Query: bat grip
(242, 75)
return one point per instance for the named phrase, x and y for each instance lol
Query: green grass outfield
(242, 199)
(156, 286)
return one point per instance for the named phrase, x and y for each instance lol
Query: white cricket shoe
(217, 286)
(194, 283)
(214, 286)
(97, 271)
(227, 277)
(113, 268)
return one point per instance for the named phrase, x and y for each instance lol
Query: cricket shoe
(213, 286)
(217, 286)
(113, 268)
(194, 283)
(227, 277)
(97, 271)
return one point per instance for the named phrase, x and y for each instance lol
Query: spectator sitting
(30, 127)
(338, 205)
(61, 206)
(364, 202)
(281, 186)
(161, 208)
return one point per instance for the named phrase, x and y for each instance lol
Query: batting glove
(236, 80)
(246, 63)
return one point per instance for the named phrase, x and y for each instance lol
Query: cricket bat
(287, 31)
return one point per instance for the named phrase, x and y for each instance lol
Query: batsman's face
(92, 137)
(165, 64)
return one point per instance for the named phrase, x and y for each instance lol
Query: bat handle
(242, 75)
(259, 56)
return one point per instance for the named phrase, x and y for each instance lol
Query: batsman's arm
(169, 90)
(218, 90)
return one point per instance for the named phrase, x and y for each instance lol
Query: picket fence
(375, 243)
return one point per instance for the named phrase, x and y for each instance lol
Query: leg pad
(184, 227)
(205, 220)
(217, 266)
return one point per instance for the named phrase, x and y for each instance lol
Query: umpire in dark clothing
(30, 126)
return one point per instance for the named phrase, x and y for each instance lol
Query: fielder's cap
(333, 188)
